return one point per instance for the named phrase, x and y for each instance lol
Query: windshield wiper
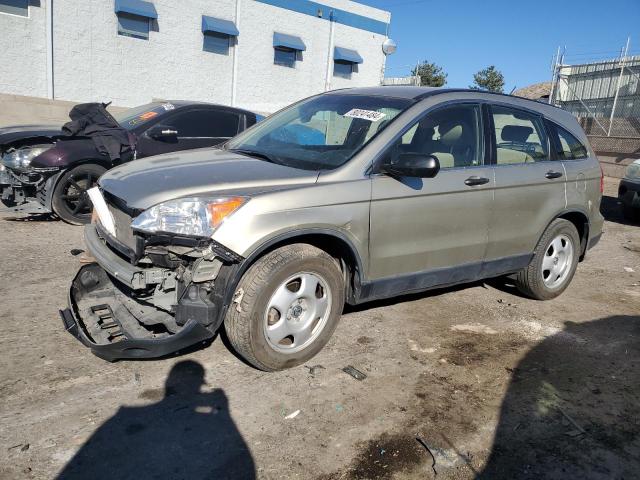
(254, 153)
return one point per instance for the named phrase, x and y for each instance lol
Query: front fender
(68, 153)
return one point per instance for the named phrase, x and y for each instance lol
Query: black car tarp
(92, 120)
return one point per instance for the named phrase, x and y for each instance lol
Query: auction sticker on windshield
(370, 115)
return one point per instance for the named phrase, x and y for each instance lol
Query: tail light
(601, 180)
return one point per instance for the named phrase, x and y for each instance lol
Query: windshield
(320, 133)
(136, 116)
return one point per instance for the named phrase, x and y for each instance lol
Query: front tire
(70, 200)
(554, 262)
(286, 307)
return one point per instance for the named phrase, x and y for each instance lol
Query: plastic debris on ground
(354, 372)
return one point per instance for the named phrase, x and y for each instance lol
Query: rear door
(530, 185)
(194, 128)
(582, 170)
(434, 230)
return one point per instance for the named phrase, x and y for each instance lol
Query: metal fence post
(623, 59)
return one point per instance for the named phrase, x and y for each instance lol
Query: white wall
(369, 46)
(264, 86)
(93, 63)
(23, 53)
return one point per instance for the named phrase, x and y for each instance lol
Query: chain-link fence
(605, 96)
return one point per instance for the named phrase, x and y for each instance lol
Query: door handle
(475, 180)
(553, 174)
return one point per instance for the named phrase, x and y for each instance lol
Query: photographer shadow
(187, 434)
(572, 410)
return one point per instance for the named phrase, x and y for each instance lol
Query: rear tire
(286, 307)
(70, 200)
(554, 262)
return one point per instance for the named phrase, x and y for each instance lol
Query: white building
(256, 54)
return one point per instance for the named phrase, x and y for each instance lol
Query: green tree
(489, 79)
(431, 75)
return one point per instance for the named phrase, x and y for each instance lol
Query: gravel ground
(493, 385)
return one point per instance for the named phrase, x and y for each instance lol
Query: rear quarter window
(568, 147)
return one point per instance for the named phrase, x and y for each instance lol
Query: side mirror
(413, 165)
(162, 132)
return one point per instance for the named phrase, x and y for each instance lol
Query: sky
(518, 37)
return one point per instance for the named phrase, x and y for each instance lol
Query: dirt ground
(493, 385)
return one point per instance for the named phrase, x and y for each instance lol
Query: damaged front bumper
(111, 334)
(123, 311)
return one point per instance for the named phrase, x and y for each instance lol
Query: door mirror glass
(163, 132)
(413, 165)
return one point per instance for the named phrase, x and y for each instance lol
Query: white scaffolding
(603, 90)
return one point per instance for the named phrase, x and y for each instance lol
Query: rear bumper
(98, 318)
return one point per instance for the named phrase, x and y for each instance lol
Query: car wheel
(70, 199)
(554, 262)
(286, 307)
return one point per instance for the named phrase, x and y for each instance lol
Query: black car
(629, 192)
(48, 169)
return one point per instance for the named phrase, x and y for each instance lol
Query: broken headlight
(20, 160)
(196, 216)
(633, 170)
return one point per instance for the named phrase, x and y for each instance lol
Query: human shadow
(572, 409)
(187, 434)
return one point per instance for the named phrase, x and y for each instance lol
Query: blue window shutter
(136, 7)
(217, 25)
(282, 40)
(15, 7)
(345, 55)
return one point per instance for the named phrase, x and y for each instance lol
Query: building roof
(534, 91)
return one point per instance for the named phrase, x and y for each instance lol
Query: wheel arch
(77, 163)
(333, 242)
(580, 220)
(50, 189)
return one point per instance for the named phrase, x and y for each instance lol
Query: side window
(342, 69)
(569, 147)
(285, 57)
(214, 42)
(204, 123)
(520, 136)
(452, 134)
(133, 26)
(15, 7)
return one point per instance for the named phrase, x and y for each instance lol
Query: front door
(434, 230)
(193, 129)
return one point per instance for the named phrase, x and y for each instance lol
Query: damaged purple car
(49, 170)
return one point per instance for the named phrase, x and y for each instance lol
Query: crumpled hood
(19, 132)
(147, 182)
